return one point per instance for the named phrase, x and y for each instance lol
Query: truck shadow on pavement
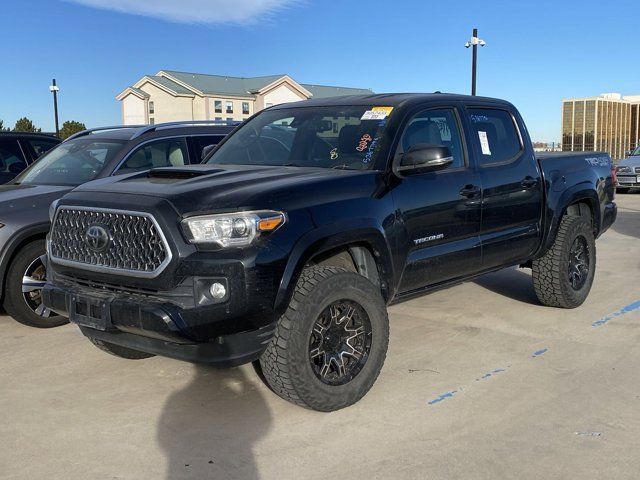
(512, 282)
(208, 429)
(628, 223)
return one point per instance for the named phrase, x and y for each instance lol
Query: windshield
(636, 152)
(71, 163)
(346, 137)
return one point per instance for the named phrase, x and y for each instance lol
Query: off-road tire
(118, 351)
(551, 272)
(622, 190)
(14, 301)
(285, 363)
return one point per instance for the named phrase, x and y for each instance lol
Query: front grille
(128, 242)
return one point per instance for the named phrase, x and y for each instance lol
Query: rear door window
(41, 146)
(12, 159)
(202, 142)
(495, 135)
(160, 153)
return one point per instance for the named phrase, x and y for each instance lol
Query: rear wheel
(23, 293)
(564, 275)
(331, 343)
(118, 351)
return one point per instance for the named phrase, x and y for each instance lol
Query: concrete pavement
(480, 382)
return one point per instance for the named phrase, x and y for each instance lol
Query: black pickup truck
(287, 244)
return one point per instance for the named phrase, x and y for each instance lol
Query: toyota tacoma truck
(286, 245)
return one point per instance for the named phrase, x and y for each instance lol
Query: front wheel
(331, 343)
(563, 276)
(23, 290)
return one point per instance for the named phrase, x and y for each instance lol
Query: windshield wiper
(342, 167)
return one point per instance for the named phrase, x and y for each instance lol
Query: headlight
(52, 209)
(231, 229)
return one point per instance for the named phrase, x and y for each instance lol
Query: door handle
(529, 182)
(470, 191)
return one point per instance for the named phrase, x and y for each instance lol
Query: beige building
(608, 123)
(173, 96)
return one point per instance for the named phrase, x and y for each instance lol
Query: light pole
(54, 89)
(474, 42)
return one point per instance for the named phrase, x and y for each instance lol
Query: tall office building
(608, 123)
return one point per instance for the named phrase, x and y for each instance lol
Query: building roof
(186, 83)
(248, 86)
(323, 91)
(170, 84)
(142, 93)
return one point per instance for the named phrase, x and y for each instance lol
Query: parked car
(18, 150)
(628, 172)
(96, 153)
(287, 250)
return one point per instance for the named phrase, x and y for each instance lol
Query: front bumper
(152, 325)
(628, 181)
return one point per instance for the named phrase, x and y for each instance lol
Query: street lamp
(474, 42)
(54, 89)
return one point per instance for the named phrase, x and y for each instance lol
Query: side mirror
(206, 151)
(422, 158)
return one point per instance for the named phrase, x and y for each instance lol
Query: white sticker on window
(376, 113)
(484, 143)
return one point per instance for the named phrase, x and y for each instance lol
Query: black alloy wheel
(340, 342)
(578, 263)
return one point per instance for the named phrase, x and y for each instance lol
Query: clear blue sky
(537, 52)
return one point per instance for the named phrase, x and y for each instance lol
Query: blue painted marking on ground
(442, 397)
(491, 373)
(627, 309)
(539, 352)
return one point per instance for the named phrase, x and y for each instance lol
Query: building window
(218, 106)
(152, 121)
(229, 119)
(245, 108)
(218, 119)
(229, 106)
(151, 108)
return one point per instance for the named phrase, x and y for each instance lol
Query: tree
(2, 127)
(26, 125)
(70, 127)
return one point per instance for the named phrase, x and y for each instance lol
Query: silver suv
(628, 172)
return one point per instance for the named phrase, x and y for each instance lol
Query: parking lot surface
(480, 382)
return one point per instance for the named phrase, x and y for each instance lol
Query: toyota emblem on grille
(97, 238)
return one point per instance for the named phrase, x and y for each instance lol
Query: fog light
(217, 290)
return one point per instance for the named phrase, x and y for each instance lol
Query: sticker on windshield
(334, 154)
(376, 113)
(364, 142)
(484, 143)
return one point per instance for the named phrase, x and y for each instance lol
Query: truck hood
(201, 188)
(633, 161)
(28, 204)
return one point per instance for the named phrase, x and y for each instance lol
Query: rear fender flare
(555, 211)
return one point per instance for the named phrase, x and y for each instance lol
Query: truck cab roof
(394, 100)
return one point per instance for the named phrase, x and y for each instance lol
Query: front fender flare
(365, 233)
